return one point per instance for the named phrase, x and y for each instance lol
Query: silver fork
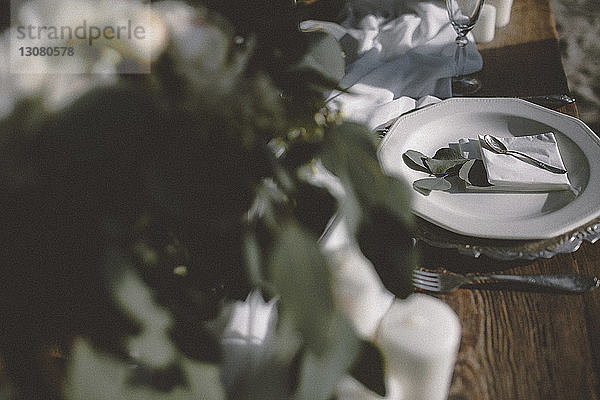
(449, 281)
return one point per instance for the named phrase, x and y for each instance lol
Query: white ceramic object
(503, 8)
(420, 337)
(485, 28)
(498, 215)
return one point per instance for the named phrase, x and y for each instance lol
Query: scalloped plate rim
(544, 226)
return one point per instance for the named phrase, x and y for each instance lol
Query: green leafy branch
(164, 171)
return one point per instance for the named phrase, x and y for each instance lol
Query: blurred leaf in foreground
(301, 277)
(369, 368)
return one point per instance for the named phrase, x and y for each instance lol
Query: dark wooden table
(520, 344)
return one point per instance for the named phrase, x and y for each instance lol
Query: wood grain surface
(524, 57)
(530, 21)
(527, 344)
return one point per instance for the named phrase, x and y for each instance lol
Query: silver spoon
(498, 147)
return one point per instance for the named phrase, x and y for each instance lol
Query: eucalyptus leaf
(447, 153)
(386, 241)
(324, 55)
(474, 173)
(432, 184)
(348, 142)
(465, 169)
(351, 154)
(314, 206)
(415, 160)
(445, 161)
(444, 166)
(398, 201)
(254, 259)
(369, 368)
(320, 374)
(301, 277)
(93, 375)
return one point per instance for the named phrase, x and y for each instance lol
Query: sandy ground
(578, 25)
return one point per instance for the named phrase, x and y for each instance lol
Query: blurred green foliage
(174, 174)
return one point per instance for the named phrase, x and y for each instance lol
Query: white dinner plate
(498, 215)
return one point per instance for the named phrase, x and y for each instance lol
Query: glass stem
(461, 54)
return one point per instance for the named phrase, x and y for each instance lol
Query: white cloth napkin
(396, 51)
(376, 107)
(506, 172)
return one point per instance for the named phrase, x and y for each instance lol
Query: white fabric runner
(396, 51)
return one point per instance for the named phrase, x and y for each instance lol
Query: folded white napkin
(506, 172)
(394, 49)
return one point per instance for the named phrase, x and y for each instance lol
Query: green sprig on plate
(443, 167)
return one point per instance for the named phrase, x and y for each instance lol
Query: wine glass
(463, 15)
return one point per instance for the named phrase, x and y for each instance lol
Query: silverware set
(449, 281)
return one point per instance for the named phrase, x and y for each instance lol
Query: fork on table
(449, 281)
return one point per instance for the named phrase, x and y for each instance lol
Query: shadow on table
(450, 259)
(522, 70)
